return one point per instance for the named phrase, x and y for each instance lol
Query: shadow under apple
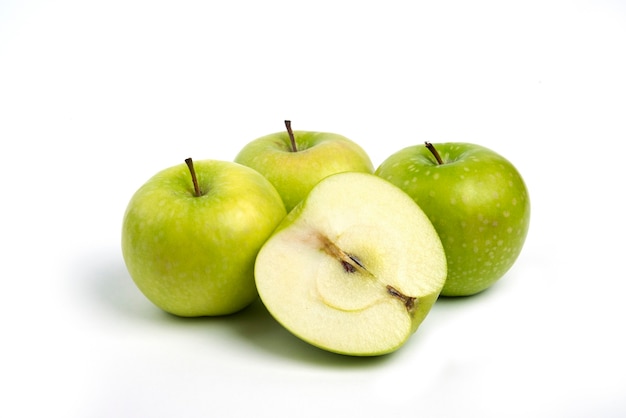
(256, 326)
(105, 287)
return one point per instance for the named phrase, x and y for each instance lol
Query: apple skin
(476, 200)
(194, 255)
(294, 174)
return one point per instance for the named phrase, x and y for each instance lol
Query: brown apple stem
(291, 137)
(196, 187)
(433, 150)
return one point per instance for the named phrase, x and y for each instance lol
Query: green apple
(354, 268)
(294, 161)
(477, 201)
(191, 234)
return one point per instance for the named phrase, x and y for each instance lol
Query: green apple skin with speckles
(194, 255)
(293, 174)
(476, 200)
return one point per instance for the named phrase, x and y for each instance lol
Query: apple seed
(349, 262)
(348, 268)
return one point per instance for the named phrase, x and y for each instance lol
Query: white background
(97, 96)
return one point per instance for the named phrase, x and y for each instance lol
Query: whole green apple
(477, 202)
(295, 161)
(191, 234)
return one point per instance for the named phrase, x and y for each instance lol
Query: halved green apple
(354, 268)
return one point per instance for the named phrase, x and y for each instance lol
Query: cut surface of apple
(354, 268)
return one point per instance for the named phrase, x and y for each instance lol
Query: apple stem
(196, 187)
(433, 150)
(291, 137)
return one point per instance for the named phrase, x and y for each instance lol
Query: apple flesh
(354, 268)
(191, 249)
(295, 161)
(478, 203)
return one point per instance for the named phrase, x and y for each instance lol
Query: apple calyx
(294, 148)
(194, 178)
(352, 264)
(434, 151)
(409, 301)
